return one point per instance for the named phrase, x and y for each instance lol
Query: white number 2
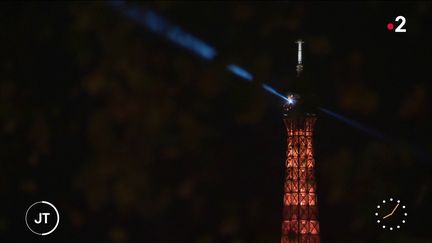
(403, 21)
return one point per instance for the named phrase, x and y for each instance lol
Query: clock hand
(390, 214)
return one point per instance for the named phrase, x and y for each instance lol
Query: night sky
(135, 139)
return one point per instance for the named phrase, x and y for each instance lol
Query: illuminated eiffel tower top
(300, 206)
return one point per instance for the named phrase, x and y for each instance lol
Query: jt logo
(37, 216)
(45, 216)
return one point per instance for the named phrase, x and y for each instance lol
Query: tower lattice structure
(300, 210)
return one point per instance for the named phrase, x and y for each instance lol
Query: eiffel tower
(300, 207)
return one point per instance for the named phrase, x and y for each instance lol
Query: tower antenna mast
(299, 67)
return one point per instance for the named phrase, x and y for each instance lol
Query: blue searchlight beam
(240, 72)
(355, 124)
(159, 25)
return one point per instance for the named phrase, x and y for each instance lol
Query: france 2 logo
(399, 28)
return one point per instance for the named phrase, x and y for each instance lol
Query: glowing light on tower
(290, 102)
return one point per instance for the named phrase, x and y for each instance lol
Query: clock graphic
(391, 214)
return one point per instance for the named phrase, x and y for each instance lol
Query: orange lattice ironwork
(300, 214)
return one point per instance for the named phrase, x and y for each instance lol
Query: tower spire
(299, 67)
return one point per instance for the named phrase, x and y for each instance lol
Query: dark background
(137, 140)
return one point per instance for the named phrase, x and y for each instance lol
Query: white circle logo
(42, 218)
